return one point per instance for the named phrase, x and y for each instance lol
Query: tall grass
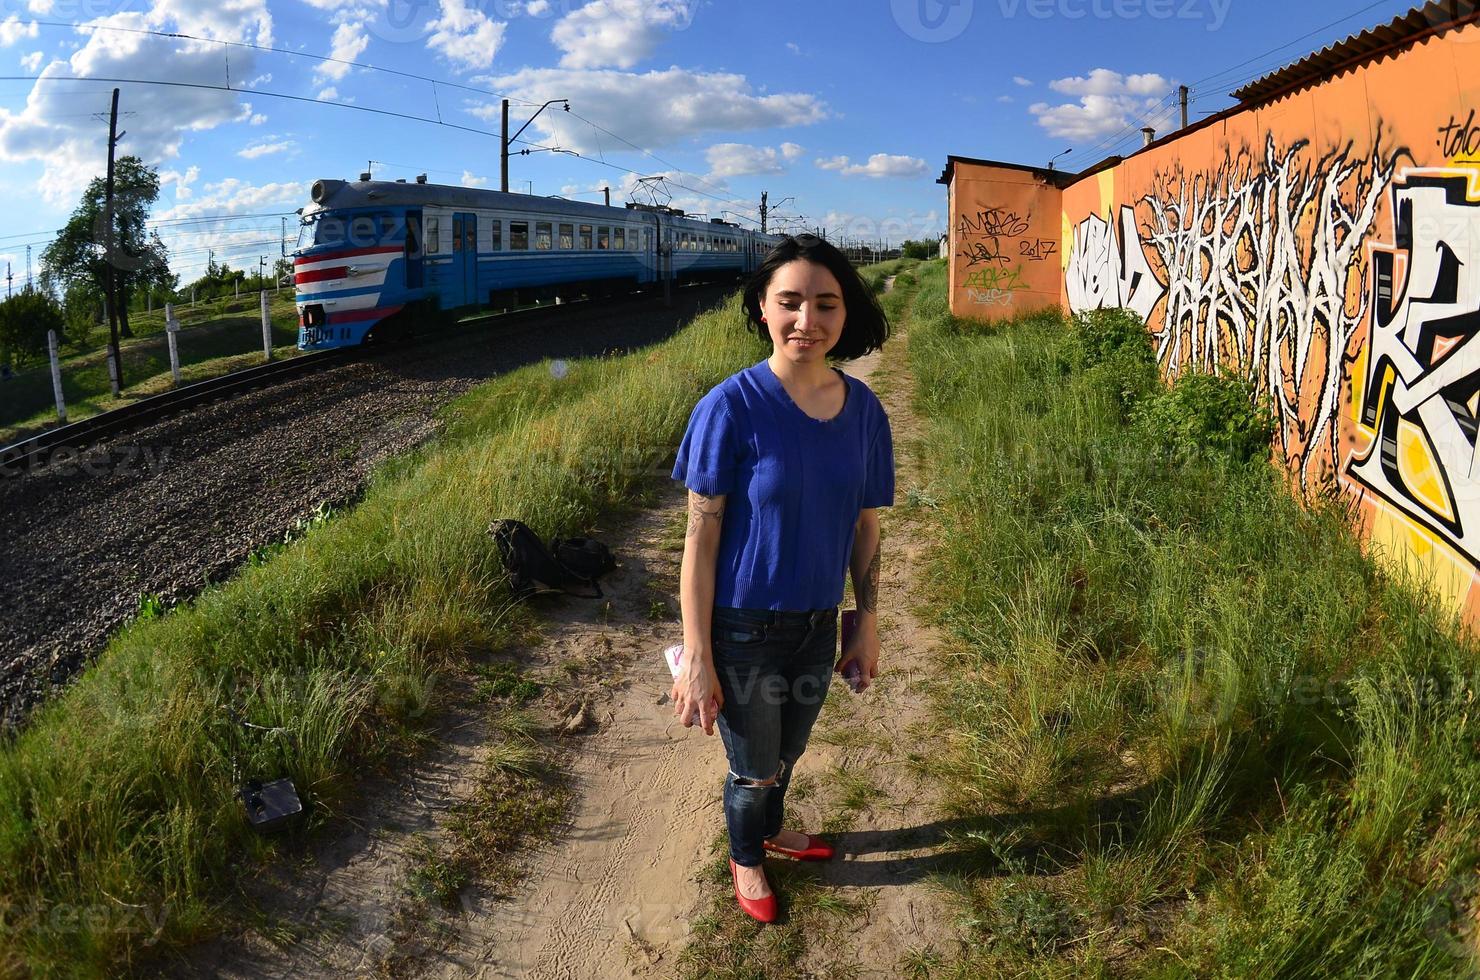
(1219, 739)
(117, 804)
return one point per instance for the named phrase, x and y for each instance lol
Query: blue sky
(845, 107)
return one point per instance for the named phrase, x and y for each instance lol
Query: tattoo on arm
(867, 591)
(703, 507)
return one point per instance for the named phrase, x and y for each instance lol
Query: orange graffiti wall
(1004, 239)
(1324, 244)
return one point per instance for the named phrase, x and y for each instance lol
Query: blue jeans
(773, 669)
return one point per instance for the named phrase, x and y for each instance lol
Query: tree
(926, 249)
(140, 260)
(24, 320)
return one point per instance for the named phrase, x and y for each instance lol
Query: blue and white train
(374, 257)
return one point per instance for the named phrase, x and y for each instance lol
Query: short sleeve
(710, 450)
(878, 482)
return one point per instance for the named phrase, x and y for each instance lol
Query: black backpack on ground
(533, 567)
(586, 557)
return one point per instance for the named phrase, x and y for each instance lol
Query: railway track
(162, 505)
(40, 449)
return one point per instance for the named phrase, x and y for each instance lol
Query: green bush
(1098, 335)
(1203, 414)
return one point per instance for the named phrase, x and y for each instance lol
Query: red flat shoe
(759, 909)
(817, 849)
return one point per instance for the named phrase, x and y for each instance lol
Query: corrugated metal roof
(1326, 62)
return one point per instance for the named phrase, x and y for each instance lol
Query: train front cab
(353, 271)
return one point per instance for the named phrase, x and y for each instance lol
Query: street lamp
(506, 139)
(1057, 155)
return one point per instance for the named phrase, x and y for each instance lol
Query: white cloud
(537, 8)
(740, 159)
(55, 128)
(652, 109)
(257, 119)
(792, 150)
(328, 94)
(879, 165)
(238, 241)
(617, 33)
(1005, 98)
(793, 47)
(1020, 80)
(1108, 103)
(470, 179)
(265, 147)
(349, 42)
(32, 61)
(181, 181)
(12, 29)
(465, 35)
(40, 6)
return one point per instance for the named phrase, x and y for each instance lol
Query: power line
(268, 48)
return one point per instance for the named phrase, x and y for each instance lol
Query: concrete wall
(1005, 241)
(1327, 246)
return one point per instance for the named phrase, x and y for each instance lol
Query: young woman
(785, 463)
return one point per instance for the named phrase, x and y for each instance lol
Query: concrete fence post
(56, 375)
(266, 327)
(113, 373)
(171, 328)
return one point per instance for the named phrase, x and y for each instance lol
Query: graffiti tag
(1105, 273)
(1458, 139)
(994, 223)
(1005, 279)
(1423, 360)
(976, 253)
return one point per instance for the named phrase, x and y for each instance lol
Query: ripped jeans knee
(745, 782)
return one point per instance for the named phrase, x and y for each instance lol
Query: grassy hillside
(1197, 732)
(214, 338)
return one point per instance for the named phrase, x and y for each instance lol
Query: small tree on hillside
(24, 320)
(140, 260)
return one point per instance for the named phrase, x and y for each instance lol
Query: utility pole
(763, 212)
(262, 272)
(1183, 94)
(111, 288)
(8, 277)
(28, 267)
(503, 156)
(505, 139)
(607, 192)
(283, 240)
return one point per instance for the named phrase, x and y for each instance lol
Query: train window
(457, 233)
(585, 236)
(496, 235)
(632, 239)
(519, 236)
(434, 235)
(603, 237)
(567, 236)
(542, 236)
(619, 238)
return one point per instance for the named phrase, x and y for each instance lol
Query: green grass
(120, 793)
(214, 338)
(1197, 731)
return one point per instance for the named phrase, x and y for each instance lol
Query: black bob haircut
(865, 328)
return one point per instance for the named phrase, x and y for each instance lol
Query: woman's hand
(863, 649)
(696, 690)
